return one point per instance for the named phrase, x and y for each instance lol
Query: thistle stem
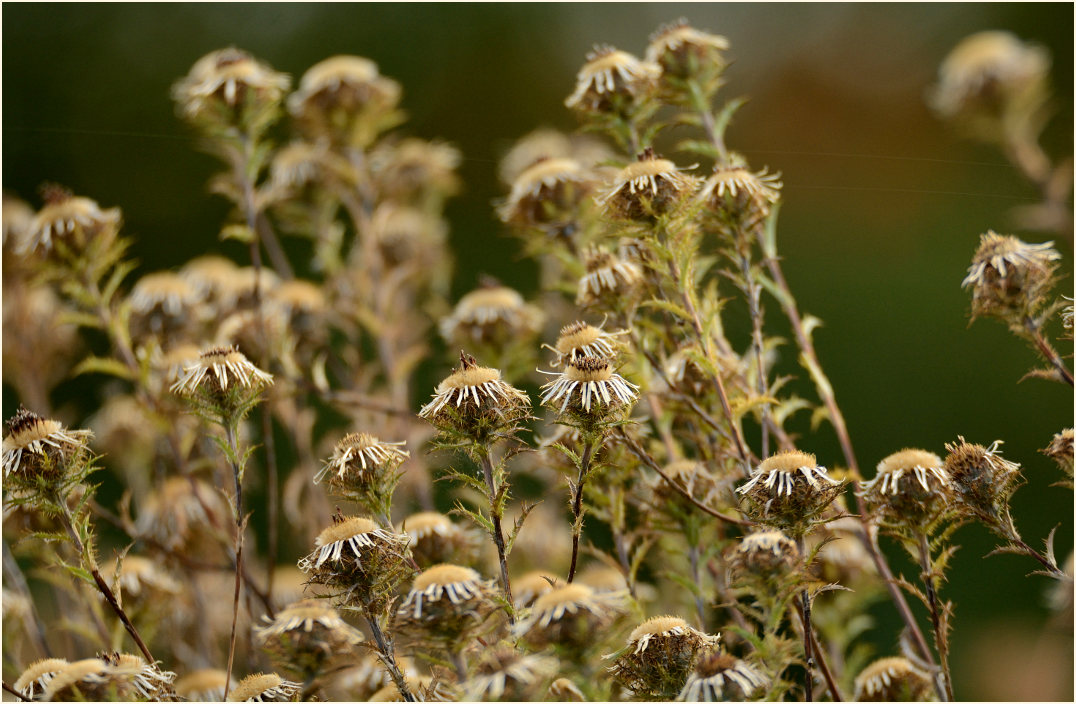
(941, 638)
(823, 664)
(1051, 567)
(14, 692)
(577, 504)
(385, 648)
(498, 535)
(1047, 350)
(231, 433)
(696, 578)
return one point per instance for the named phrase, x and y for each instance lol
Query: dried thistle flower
(547, 195)
(603, 579)
(1009, 277)
(493, 314)
(146, 681)
(764, 555)
(984, 482)
(579, 340)
(659, 656)
(180, 515)
(109, 677)
(684, 52)
(446, 602)
(1060, 450)
(570, 617)
(140, 576)
(346, 99)
(228, 86)
(365, 469)
(842, 559)
(17, 217)
(75, 220)
(362, 562)
(649, 188)
(713, 673)
(261, 687)
(475, 402)
(206, 685)
(609, 278)
(910, 490)
(503, 673)
(414, 169)
(789, 491)
(408, 236)
(435, 538)
(611, 81)
(740, 197)
(588, 393)
(213, 277)
(990, 75)
(36, 677)
(425, 687)
(165, 290)
(308, 638)
(40, 452)
(893, 679)
(222, 383)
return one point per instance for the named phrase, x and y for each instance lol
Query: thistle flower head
(547, 194)
(990, 74)
(764, 555)
(842, 559)
(359, 682)
(261, 687)
(658, 656)
(412, 169)
(1010, 277)
(503, 673)
(164, 290)
(222, 382)
(608, 279)
(359, 560)
(36, 677)
(445, 602)
(739, 197)
(589, 393)
(611, 81)
(362, 465)
(893, 679)
(226, 84)
(407, 235)
(179, 515)
(206, 685)
(17, 217)
(720, 677)
(346, 99)
(492, 313)
(684, 52)
(983, 482)
(474, 401)
(112, 676)
(145, 681)
(308, 637)
(579, 340)
(647, 188)
(789, 491)
(570, 616)
(37, 449)
(1060, 449)
(213, 277)
(435, 538)
(73, 219)
(909, 491)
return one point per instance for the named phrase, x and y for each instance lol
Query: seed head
(588, 393)
(360, 561)
(346, 99)
(983, 483)
(261, 687)
(611, 81)
(308, 637)
(842, 559)
(412, 169)
(213, 277)
(1010, 278)
(547, 195)
(527, 588)
(445, 603)
(223, 382)
(789, 491)
(228, 83)
(910, 490)
(713, 674)
(475, 401)
(361, 464)
(570, 616)
(436, 539)
(37, 449)
(659, 656)
(180, 514)
(609, 278)
(1060, 449)
(579, 340)
(113, 676)
(740, 198)
(494, 314)
(73, 219)
(764, 555)
(649, 188)
(892, 680)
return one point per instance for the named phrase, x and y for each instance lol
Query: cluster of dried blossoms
(693, 537)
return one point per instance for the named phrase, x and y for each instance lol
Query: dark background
(882, 204)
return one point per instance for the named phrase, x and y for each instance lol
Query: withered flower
(37, 449)
(713, 674)
(764, 555)
(893, 679)
(659, 656)
(589, 393)
(579, 339)
(261, 687)
(789, 491)
(910, 490)
(1010, 278)
(445, 603)
(648, 188)
(474, 401)
(609, 278)
(611, 81)
(308, 637)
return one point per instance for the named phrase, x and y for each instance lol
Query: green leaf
(238, 232)
(80, 573)
(668, 307)
(102, 365)
(724, 116)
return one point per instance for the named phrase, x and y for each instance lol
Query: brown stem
(941, 638)
(1047, 350)
(498, 534)
(274, 499)
(231, 432)
(388, 657)
(577, 504)
(1030, 551)
(11, 690)
(821, 661)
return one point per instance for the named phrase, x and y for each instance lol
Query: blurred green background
(883, 205)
